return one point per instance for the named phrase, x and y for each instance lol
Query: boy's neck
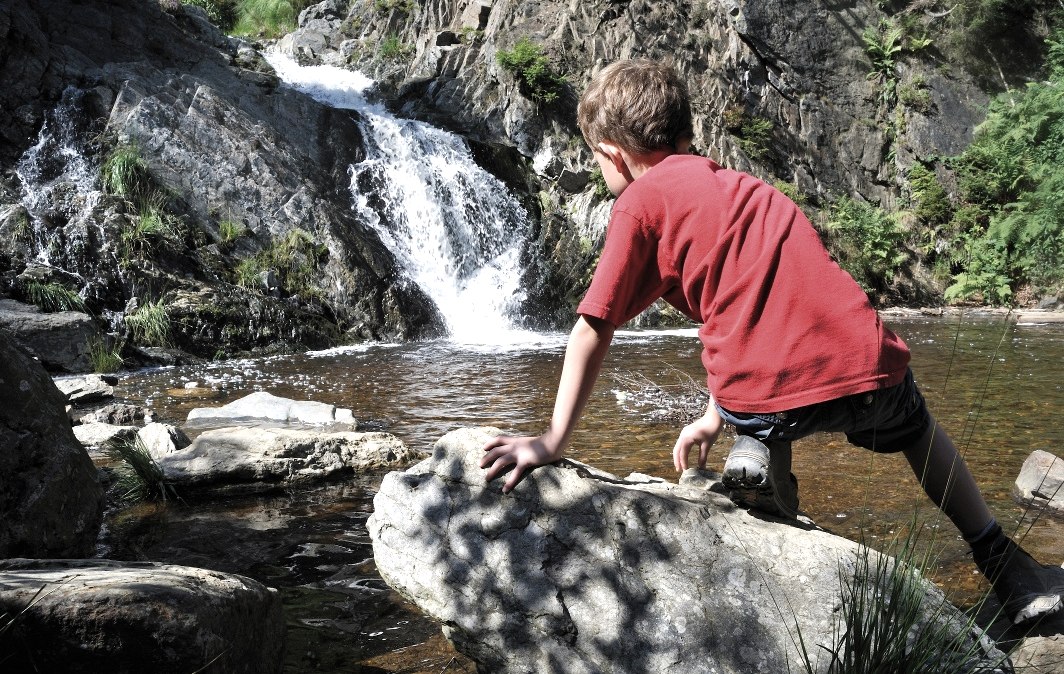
(639, 163)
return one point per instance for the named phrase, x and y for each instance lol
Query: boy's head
(639, 105)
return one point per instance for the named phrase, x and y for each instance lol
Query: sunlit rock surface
(105, 616)
(1040, 483)
(264, 405)
(256, 458)
(51, 502)
(579, 571)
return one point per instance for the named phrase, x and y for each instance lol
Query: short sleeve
(627, 279)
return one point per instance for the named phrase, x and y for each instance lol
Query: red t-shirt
(783, 326)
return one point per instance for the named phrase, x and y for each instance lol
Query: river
(996, 386)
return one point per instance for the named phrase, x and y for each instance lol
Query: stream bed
(996, 386)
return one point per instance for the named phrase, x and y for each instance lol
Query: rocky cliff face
(235, 213)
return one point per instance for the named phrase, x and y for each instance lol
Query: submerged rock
(105, 616)
(259, 458)
(51, 502)
(579, 571)
(263, 405)
(1040, 483)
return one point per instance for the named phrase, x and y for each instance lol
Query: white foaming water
(454, 227)
(56, 163)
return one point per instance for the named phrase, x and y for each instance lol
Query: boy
(791, 344)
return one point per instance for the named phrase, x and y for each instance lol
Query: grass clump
(150, 324)
(531, 66)
(393, 49)
(889, 623)
(105, 358)
(139, 477)
(267, 18)
(293, 259)
(52, 297)
(125, 173)
(230, 230)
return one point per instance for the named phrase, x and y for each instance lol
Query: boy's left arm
(701, 433)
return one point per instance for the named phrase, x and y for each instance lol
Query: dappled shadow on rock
(578, 571)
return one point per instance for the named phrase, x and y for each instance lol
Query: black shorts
(886, 420)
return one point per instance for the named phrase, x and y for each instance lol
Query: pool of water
(996, 386)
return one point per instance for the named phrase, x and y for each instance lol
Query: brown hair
(640, 105)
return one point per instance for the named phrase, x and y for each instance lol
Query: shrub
(754, 137)
(931, 204)
(51, 297)
(294, 258)
(222, 13)
(150, 324)
(598, 182)
(869, 242)
(532, 67)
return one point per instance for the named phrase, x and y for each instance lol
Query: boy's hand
(701, 433)
(522, 453)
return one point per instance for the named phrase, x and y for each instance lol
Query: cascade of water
(453, 226)
(58, 179)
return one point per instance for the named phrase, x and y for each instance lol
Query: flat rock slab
(95, 435)
(268, 456)
(1040, 483)
(105, 616)
(87, 388)
(263, 405)
(60, 339)
(579, 571)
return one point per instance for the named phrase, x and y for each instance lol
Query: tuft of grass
(139, 477)
(230, 230)
(222, 13)
(125, 173)
(598, 181)
(52, 297)
(889, 623)
(105, 358)
(267, 18)
(150, 324)
(393, 49)
(294, 258)
(537, 78)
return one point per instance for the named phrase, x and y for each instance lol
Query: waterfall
(58, 180)
(454, 227)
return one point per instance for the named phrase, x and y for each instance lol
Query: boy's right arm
(588, 343)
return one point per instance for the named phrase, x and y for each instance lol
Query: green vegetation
(1010, 218)
(105, 358)
(884, 46)
(125, 173)
(294, 259)
(150, 324)
(531, 66)
(267, 18)
(52, 297)
(139, 477)
(868, 242)
(598, 181)
(402, 7)
(229, 230)
(887, 624)
(222, 13)
(754, 136)
(393, 49)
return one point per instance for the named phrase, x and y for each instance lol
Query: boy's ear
(613, 153)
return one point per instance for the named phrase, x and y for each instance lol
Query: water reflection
(996, 387)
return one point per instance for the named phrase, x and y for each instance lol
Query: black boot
(1027, 590)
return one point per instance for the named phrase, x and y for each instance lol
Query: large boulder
(106, 616)
(250, 459)
(1040, 483)
(579, 571)
(60, 340)
(51, 503)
